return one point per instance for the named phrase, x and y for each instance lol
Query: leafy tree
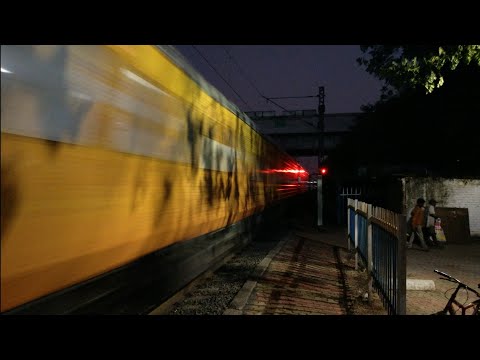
(413, 66)
(413, 128)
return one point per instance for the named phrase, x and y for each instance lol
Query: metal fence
(379, 236)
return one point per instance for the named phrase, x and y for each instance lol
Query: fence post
(369, 249)
(349, 236)
(401, 265)
(356, 235)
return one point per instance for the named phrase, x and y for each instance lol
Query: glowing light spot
(292, 171)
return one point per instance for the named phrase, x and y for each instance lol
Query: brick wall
(459, 193)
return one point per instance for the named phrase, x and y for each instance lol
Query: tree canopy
(412, 66)
(421, 124)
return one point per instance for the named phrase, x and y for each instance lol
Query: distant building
(297, 132)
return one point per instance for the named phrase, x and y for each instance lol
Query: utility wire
(260, 93)
(248, 106)
(294, 97)
(273, 102)
(241, 70)
(248, 79)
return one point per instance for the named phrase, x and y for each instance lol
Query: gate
(344, 192)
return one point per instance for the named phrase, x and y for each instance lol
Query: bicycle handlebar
(450, 278)
(447, 276)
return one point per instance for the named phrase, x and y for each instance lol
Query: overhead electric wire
(260, 93)
(206, 60)
(241, 70)
(248, 79)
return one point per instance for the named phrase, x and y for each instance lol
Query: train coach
(110, 154)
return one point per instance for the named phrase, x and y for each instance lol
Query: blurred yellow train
(109, 153)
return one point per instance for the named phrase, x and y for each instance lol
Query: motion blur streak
(109, 153)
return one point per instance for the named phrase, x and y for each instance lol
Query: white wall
(458, 193)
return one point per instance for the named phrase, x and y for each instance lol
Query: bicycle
(449, 308)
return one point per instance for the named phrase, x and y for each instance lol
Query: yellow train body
(109, 153)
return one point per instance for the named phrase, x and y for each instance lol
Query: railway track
(213, 294)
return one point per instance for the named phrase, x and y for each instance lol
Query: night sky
(287, 70)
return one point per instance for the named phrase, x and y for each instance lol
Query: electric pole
(321, 145)
(321, 125)
(321, 153)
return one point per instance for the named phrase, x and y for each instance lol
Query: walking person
(418, 221)
(409, 222)
(431, 217)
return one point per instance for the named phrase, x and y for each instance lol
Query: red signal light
(323, 171)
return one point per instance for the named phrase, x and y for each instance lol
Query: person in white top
(431, 217)
(409, 222)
